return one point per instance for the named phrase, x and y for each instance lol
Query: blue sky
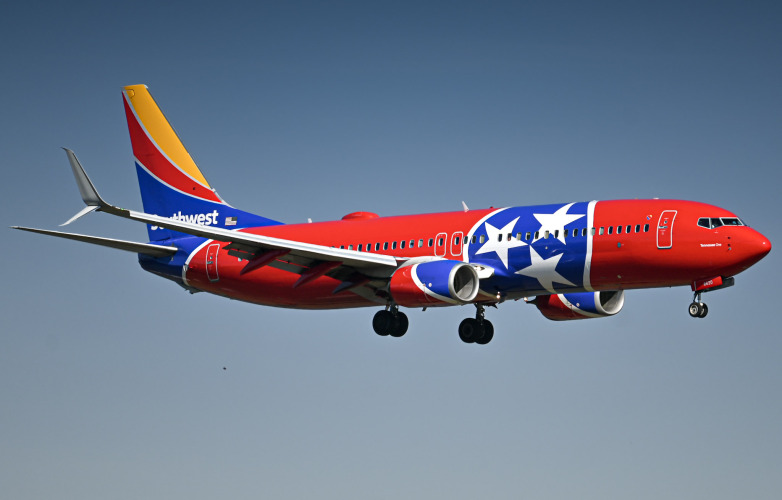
(112, 381)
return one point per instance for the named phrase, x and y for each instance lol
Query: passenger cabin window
(393, 245)
(637, 228)
(385, 245)
(646, 228)
(618, 229)
(482, 239)
(602, 229)
(610, 229)
(527, 235)
(359, 247)
(431, 241)
(439, 242)
(377, 247)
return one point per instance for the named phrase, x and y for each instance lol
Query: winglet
(84, 211)
(88, 192)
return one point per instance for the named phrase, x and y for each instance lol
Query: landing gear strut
(390, 322)
(477, 330)
(698, 309)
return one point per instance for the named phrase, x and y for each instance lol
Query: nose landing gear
(476, 330)
(698, 309)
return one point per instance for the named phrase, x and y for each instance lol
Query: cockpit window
(712, 222)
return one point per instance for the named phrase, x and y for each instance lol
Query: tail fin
(171, 183)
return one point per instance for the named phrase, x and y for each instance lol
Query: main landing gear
(390, 322)
(698, 309)
(477, 330)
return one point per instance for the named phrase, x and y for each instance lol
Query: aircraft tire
(469, 330)
(383, 323)
(704, 310)
(695, 310)
(400, 325)
(488, 333)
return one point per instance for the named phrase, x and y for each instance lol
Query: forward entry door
(665, 229)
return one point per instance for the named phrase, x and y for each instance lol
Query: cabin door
(665, 229)
(456, 244)
(211, 261)
(440, 244)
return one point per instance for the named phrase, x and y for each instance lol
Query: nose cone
(762, 245)
(754, 246)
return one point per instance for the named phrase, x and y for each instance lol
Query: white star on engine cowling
(544, 270)
(497, 241)
(556, 222)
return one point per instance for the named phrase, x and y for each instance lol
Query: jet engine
(434, 283)
(583, 305)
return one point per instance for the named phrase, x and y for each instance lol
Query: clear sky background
(111, 379)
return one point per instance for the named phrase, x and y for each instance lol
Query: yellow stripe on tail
(161, 132)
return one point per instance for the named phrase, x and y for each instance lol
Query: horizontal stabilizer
(130, 246)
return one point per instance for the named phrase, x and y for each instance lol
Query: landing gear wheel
(469, 330)
(400, 325)
(383, 322)
(488, 333)
(698, 310)
(476, 330)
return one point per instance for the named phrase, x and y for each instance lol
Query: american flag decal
(230, 221)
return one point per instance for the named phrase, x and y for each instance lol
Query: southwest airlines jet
(572, 260)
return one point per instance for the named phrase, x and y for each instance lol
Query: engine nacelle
(583, 305)
(434, 283)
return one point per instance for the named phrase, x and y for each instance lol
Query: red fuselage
(625, 244)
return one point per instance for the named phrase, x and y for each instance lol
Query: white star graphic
(497, 241)
(544, 270)
(556, 222)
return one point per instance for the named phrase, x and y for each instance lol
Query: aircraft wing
(129, 246)
(307, 259)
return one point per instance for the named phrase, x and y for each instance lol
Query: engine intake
(434, 283)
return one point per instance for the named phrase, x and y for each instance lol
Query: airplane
(571, 260)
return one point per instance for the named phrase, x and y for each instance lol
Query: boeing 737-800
(572, 260)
